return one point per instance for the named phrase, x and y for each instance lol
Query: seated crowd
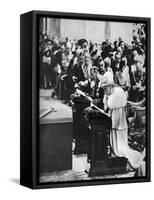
(66, 65)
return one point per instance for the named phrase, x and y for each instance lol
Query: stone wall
(96, 31)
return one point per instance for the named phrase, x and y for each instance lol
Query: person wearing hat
(115, 101)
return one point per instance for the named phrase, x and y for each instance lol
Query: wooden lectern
(99, 156)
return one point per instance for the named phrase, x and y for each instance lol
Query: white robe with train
(116, 102)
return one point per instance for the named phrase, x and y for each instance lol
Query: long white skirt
(119, 144)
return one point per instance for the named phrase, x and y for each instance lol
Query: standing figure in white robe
(115, 101)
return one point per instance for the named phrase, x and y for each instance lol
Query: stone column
(107, 30)
(53, 27)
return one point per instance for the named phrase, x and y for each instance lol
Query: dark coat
(78, 72)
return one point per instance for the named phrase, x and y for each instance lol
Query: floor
(79, 161)
(78, 172)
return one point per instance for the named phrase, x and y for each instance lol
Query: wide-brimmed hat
(107, 79)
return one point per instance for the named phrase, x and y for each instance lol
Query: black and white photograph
(92, 100)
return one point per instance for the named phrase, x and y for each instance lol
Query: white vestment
(116, 102)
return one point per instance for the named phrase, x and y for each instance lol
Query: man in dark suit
(81, 73)
(78, 72)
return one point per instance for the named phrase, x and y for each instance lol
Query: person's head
(87, 59)
(41, 36)
(95, 47)
(66, 39)
(111, 55)
(94, 72)
(119, 50)
(81, 59)
(116, 44)
(102, 67)
(68, 48)
(138, 41)
(133, 44)
(139, 69)
(134, 57)
(135, 53)
(103, 45)
(107, 62)
(45, 37)
(108, 89)
(117, 57)
(107, 83)
(94, 55)
(141, 50)
(85, 45)
(78, 46)
(107, 42)
(120, 39)
(78, 52)
(62, 48)
(124, 58)
(49, 44)
(65, 65)
(55, 40)
(122, 44)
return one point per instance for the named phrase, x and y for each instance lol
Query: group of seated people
(67, 65)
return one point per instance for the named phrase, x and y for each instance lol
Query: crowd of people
(69, 64)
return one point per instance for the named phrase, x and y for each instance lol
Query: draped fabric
(118, 117)
(119, 144)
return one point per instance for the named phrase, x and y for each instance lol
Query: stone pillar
(107, 30)
(53, 27)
